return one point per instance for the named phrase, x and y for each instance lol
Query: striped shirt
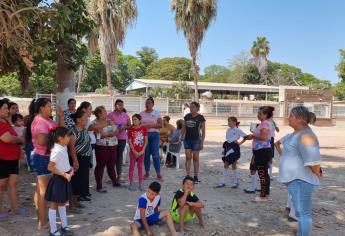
(83, 142)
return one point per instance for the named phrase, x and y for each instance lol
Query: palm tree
(260, 50)
(193, 17)
(112, 18)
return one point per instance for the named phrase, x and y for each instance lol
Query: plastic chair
(177, 155)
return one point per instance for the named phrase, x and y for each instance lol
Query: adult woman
(194, 132)
(300, 166)
(80, 148)
(39, 124)
(106, 148)
(71, 103)
(262, 152)
(9, 160)
(122, 121)
(164, 132)
(151, 119)
(13, 109)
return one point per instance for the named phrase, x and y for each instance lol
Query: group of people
(60, 153)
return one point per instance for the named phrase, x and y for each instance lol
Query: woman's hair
(84, 106)
(77, 115)
(54, 135)
(34, 109)
(150, 99)
(167, 118)
(71, 100)
(98, 111)
(118, 101)
(16, 117)
(267, 110)
(186, 104)
(137, 116)
(234, 119)
(3, 102)
(196, 104)
(303, 113)
(10, 104)
(179, 123)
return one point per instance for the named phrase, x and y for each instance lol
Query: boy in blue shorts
(147, 212)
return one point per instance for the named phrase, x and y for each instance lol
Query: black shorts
(261, 157)
(8, 168)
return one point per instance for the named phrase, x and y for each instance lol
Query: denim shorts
(194, 145)
(40, 164)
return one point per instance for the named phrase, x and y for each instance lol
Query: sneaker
(84, 199)
(141, 188)
(234, 186)
(67, 231)
(56, 233)
(196, 180)
(101, 190)
(220, 186)
(292, 219)
(117, 184)
(131, 187)
(248, 191)
(146, 176)
(159, 177)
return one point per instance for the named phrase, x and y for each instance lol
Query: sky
(303, 33)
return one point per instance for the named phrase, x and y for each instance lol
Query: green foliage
(9, 85)
(216, 73)
(339, 90)
(170, 68)
(179, 90)
(341, 66)
(147, 55)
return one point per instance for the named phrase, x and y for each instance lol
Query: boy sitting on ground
(147, 212)
(186, 205)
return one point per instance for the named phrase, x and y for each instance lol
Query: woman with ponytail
(300, 166)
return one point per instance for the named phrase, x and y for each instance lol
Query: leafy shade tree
(193, 18)
(339, 90)
(217, 74)
(170, 68)
(112, 19)
(243, 71)
(147, 55)
(179, 90)
(260, 51)
(341, 66)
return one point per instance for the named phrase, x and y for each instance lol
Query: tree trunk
(65, 81)
(195, 78)
(109, 83)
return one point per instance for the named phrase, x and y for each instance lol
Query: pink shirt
(119, 120)
(41, 125)
(259, 144)
(150, 119)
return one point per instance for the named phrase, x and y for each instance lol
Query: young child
(137, 138)
(147, 212)
(18, 124)
(59, 189)
(232, 151)
(186, 205)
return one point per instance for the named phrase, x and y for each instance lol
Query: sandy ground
(227, 212)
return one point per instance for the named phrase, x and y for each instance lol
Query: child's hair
(16, 117)
(187, 178)
(98, 111)
(196, 104)
(54, 135)
(167, 118)
(155, 187)
(234, 119)
(150, 99)
(77, 115)
(10, 104)
(118, 101)
(84, 105)
(267, 110)
(137, 116)
(71, 100)
(179, 123)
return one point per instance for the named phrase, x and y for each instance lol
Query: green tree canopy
(341, 66)
(216, 73)
(147, 55)
(170, 68)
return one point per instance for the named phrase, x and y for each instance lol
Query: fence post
(140, 104)
(216, 108)
(240, 110)
(167, 106)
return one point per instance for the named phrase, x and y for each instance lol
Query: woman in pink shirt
(152, 121)
(122, 121)
(39, 124)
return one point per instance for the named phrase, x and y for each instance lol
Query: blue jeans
(301, 193)
(28, 152)
(152, 149)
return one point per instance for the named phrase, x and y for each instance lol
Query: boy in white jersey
(147, 212)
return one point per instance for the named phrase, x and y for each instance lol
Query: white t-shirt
(273, 126)
(186, 111)
(233, 134)
(145, 203)
(59, 156)
(91, 133)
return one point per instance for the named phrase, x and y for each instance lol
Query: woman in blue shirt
(300, 166)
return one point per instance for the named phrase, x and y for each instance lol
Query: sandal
(56, 233)
(67, 231)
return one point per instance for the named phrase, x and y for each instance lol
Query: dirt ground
(227, 212)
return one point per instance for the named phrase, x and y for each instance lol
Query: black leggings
(261, 159)
(80, 180)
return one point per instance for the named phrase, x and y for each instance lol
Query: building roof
(146, 83)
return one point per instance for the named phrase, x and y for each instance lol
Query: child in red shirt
(137, 138)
